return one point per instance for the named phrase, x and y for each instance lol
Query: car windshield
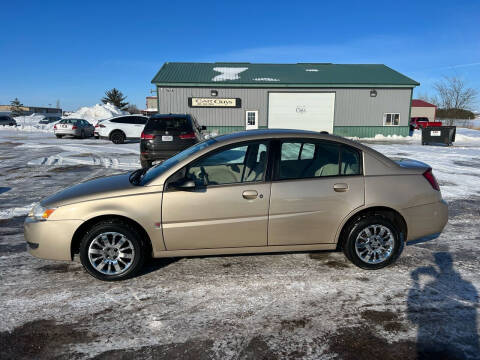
(159, 169)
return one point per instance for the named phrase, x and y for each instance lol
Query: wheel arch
(114, 131)
(78, 234)
(393, 215)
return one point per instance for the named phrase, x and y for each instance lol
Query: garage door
(305, 111)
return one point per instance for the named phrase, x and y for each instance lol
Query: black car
(166, 135)
(7, 120)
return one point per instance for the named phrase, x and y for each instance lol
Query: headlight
(40, 213)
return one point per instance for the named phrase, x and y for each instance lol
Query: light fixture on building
(373, 93)
(213, 92)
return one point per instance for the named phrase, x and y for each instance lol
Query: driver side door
(228, 207)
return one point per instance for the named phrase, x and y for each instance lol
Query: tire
(94, 250)
(145, 163)
(385, 239)
(59, 136)
(117, 137)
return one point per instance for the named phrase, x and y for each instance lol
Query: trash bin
(435, 135)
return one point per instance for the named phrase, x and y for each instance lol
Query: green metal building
(358, 100)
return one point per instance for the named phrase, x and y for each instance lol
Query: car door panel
(216, 217)
(228, 206)
(309, 211)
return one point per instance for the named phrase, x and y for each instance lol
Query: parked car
(121, 128)
(248, 192)
(74, 127)
(419, 123)
(7, 120)
(166, 135)
(49, 120)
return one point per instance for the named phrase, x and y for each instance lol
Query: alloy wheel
(374, 244)
(111, 253)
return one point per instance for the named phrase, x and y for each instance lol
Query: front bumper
(50, 239)
(426, 221)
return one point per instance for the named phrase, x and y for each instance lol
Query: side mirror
(203, 127)
(184, 184)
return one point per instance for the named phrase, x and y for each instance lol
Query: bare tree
(453, 93)
(430, 99)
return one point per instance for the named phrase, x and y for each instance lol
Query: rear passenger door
(316, 185)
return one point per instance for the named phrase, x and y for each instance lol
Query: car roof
(282, 133)
(120, 116)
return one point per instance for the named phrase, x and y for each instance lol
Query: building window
(391, 119)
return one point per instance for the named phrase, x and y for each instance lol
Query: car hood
(99, 188)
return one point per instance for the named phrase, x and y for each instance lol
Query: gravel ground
(279, 306)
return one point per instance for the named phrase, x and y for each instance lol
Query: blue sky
(74, 51)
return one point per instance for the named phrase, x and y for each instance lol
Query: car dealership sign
(214, 102)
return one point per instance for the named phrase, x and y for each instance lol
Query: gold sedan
(249, 192)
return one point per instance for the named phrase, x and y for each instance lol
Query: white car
(120, 128)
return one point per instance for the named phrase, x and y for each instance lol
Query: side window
(300, 160)
(245, 163)
(351, 161)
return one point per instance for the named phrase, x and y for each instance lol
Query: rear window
(170, 123)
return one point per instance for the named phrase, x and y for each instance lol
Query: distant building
(422, 108)
(151, 103)
(29, 110)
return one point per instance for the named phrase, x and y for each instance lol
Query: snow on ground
(296, 305)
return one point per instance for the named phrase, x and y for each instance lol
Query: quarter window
(239, 164)
(391, 119)
(302, 160)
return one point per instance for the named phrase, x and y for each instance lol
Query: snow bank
(97, 112)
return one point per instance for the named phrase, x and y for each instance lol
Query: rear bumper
(50, 239)
(426, 221)
(158, 155)
(75, 132)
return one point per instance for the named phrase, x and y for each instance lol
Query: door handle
(250, 194)
(340, 187)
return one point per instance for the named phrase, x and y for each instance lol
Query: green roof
(280, 75)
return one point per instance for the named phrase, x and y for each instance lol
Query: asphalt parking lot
(276, 306)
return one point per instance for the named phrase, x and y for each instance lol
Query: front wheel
(111, 251)
(373, 242)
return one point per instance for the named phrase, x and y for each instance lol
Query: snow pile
(30, 120)
(97, 112)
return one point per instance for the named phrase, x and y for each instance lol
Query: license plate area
(167, 138)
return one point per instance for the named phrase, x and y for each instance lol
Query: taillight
(187, 136)
(74, 127)
(55, 127)
(147, 136)
(431, 179)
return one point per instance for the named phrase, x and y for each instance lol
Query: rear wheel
(112, 250)
(59, 136)
(117, 137)
(373, 242)
(145, 163)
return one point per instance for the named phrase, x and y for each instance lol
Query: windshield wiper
(136, 176)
